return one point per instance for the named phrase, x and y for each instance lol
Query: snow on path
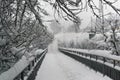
(57, 66)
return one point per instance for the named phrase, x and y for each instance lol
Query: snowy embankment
(20, 65)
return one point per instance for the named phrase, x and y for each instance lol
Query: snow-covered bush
(81, 40)
(71, 39)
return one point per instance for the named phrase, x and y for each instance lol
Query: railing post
(103, 70)
(114, 63)
(104, 60)
(35, 58)
(85, 55)
(90, 56)
(82, 54)
(29, 67)
(22, 75)
(96, 58)
(33, 63)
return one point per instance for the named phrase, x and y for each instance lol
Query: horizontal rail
(22, 71)
(106, 66)
(105, 57)
(36, 68)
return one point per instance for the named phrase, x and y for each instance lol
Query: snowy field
(57, 66)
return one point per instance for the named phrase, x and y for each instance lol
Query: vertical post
(90, 56)
(114, 63)
(82, 54)
(33, 63)
(22, 75)
(104, 60)
(103, 69)
(85, 55)
(35, 58)
(103, 66)
(96, 58)
(29, 67)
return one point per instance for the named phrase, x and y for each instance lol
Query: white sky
(85, 16)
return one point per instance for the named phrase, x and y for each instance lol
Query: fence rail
(24, 71)
(106, 65)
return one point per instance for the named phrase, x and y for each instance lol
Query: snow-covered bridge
(57, 66)
(61, 64)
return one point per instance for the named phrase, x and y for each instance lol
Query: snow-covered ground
(57, 66)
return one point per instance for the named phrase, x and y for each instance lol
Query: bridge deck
(57, 66)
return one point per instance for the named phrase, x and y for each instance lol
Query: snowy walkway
(57, 66)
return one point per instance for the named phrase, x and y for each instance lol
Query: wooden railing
(24, 71)
(107, 65)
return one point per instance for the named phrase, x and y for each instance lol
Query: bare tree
(73, 7)
(114, 26)
(20, 26)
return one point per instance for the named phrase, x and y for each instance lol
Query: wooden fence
(106, 65)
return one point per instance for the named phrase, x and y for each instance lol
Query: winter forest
(29, 28)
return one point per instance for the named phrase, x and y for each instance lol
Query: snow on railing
(106, 55)
(99, 60)
(23, 67)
